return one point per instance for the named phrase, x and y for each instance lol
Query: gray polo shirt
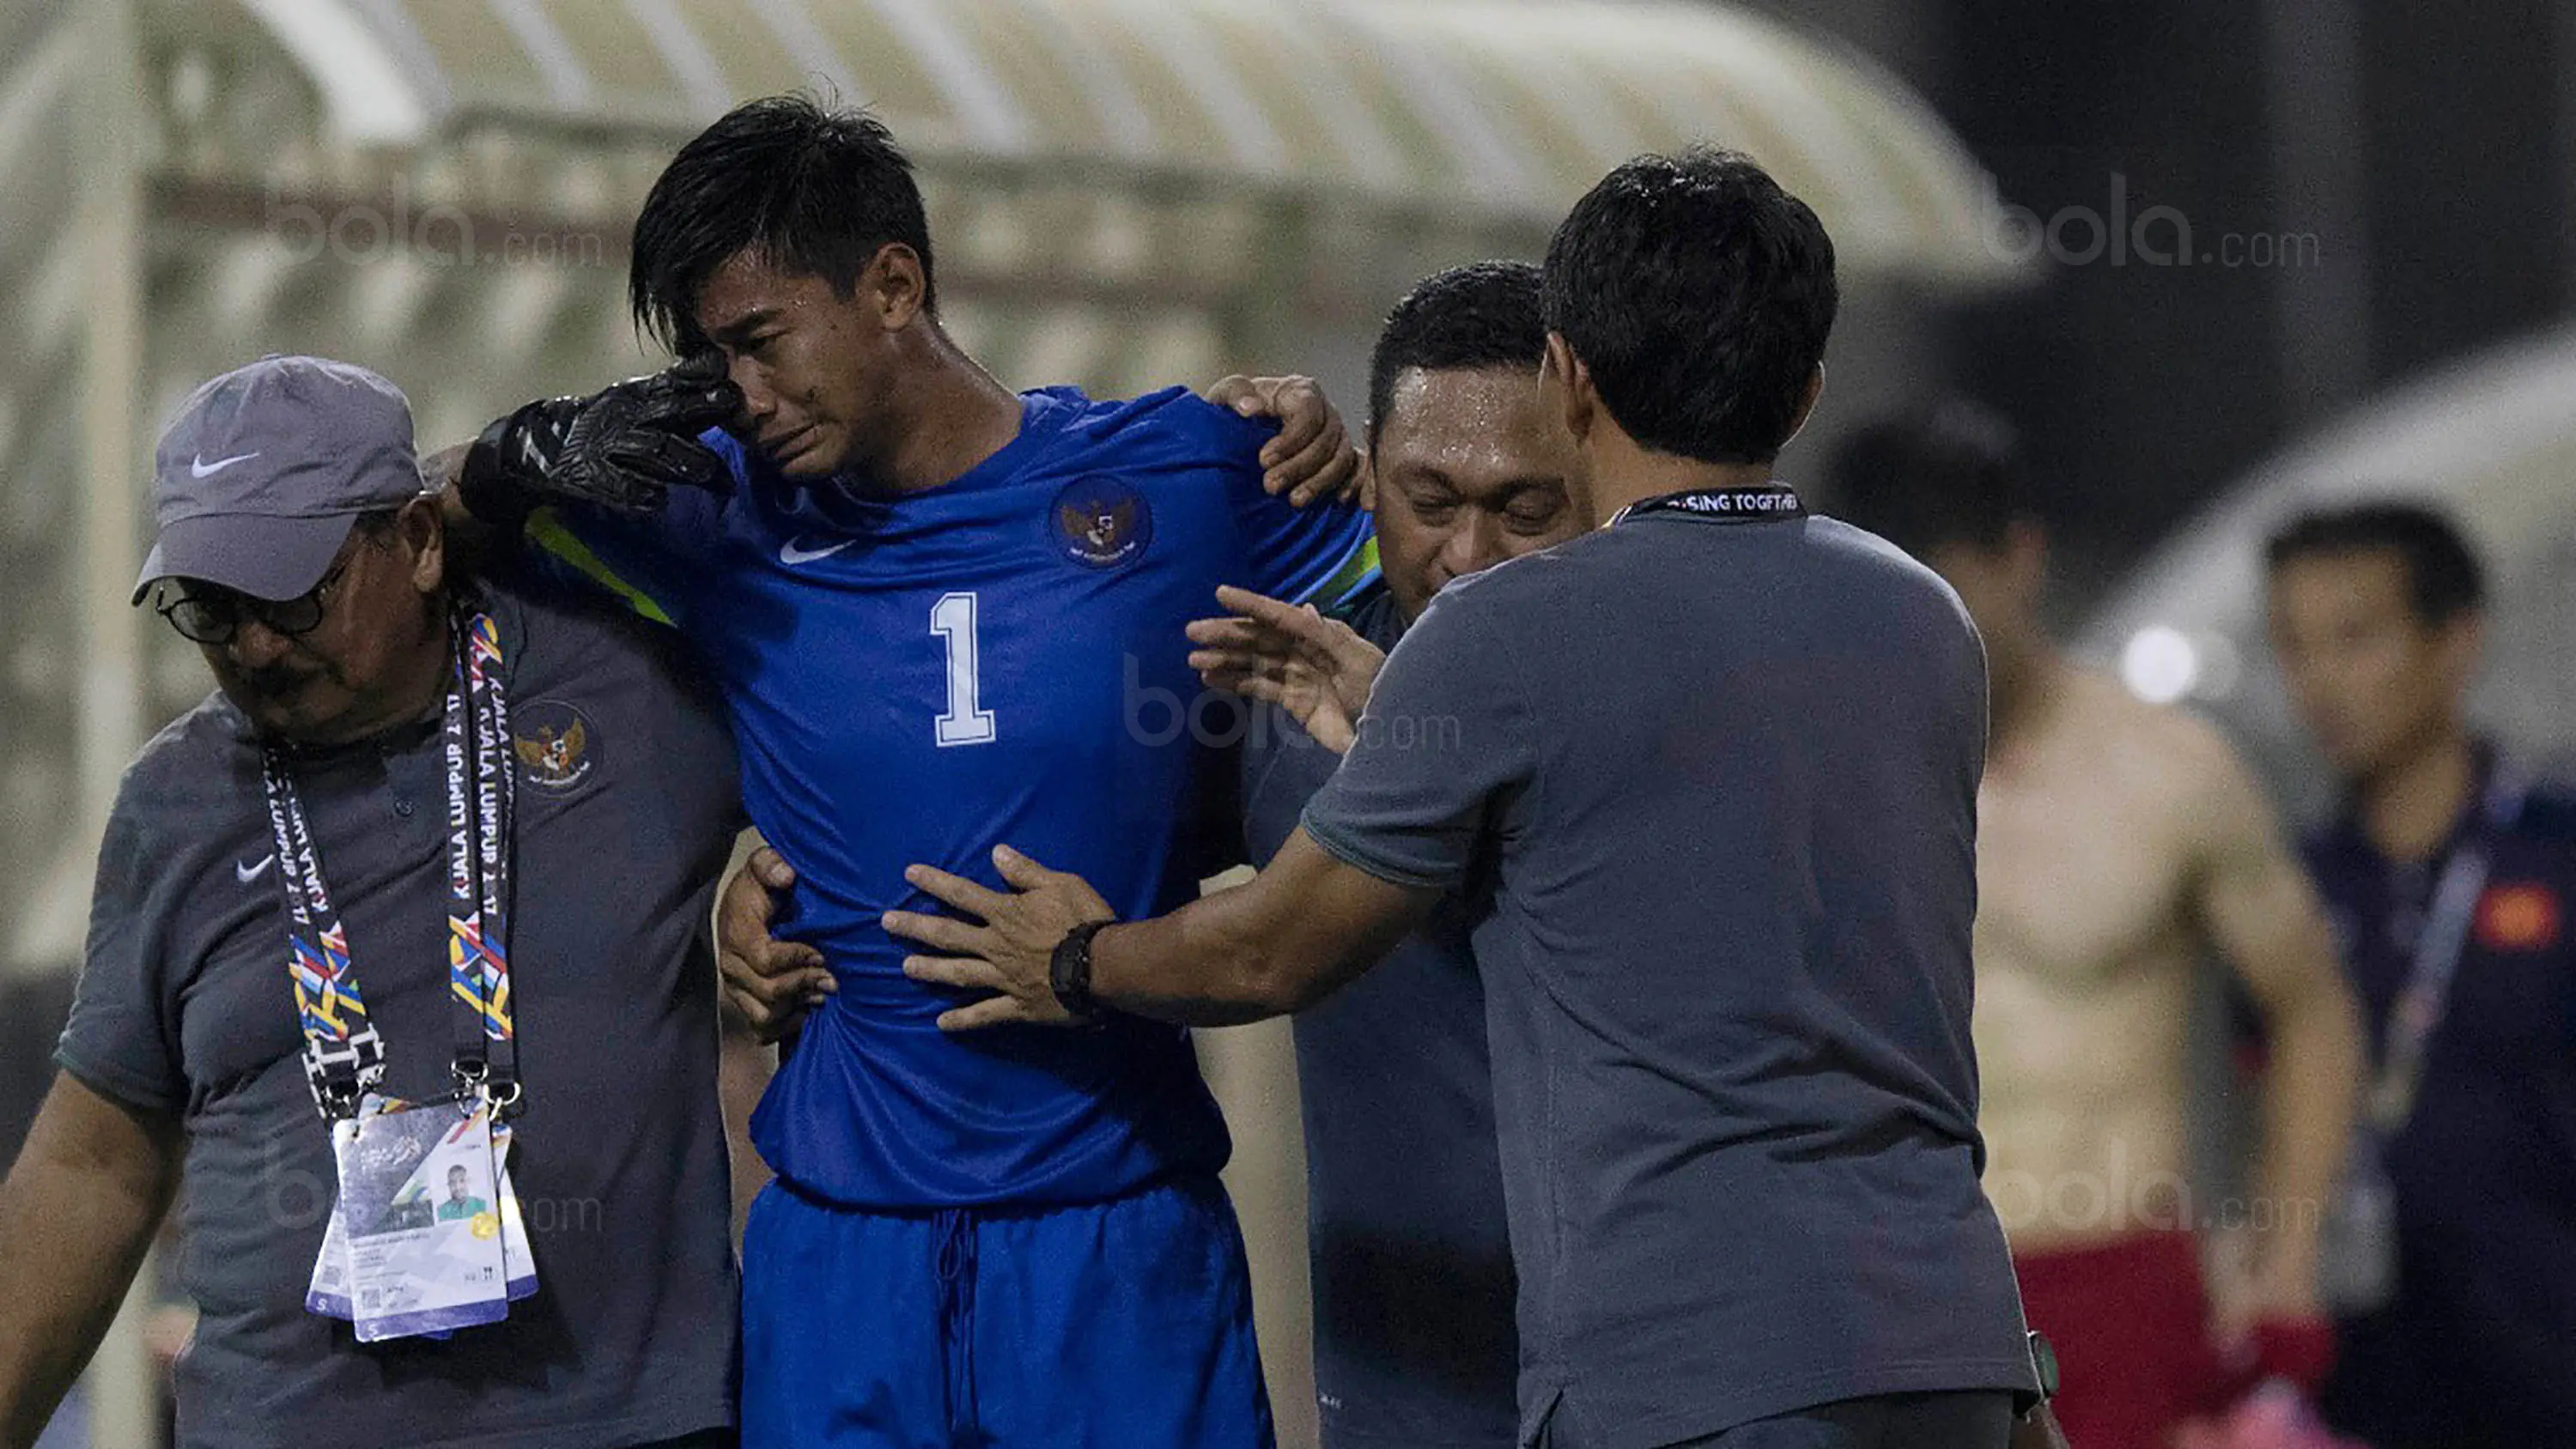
(1716, 785)
(626, 810)
(1412, 1265)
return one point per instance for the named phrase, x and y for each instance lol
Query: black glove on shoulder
(623, 448)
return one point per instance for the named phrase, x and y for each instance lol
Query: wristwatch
(1069, 969)
(2043, 1369)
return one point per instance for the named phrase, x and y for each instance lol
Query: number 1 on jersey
(966, 722)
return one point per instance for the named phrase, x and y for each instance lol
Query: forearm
(1278, 944)
(2264, 917)
(75, 1221)
(442, 471)
(470, 539)
(2310, 1091)
(1206, 964)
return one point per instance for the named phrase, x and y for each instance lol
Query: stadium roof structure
(1482, 107)
(2489, 440)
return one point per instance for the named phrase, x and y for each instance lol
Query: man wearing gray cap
(497, 810)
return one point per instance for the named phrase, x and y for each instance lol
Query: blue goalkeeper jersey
(923, 677)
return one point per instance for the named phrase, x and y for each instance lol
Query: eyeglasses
(214, 617)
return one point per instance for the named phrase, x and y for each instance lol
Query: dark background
(2409, 168)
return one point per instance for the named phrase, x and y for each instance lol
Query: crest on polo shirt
(557, 745)
(1101, 522)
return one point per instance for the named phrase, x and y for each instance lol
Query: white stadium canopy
(1497, 109)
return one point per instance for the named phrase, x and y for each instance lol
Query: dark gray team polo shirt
(1716, 784)
(1412, 1264)
(626, 810)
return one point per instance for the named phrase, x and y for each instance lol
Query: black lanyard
(344, 1057)
(1768, 503)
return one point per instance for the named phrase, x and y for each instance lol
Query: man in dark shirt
(1710, 775)
(2449, 874)
(1410, 1258)
(297, 550)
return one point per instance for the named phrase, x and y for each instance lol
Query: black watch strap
(1069, 969)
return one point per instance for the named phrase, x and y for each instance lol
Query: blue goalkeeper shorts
(1121, 1325)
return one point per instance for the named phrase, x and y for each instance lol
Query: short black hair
(1484, 314)
(1945, 472)
(2443, 576)
(1699, 294)
(812, 189)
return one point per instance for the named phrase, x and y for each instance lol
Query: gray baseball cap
(266, 468)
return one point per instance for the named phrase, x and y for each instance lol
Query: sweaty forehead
(1478, 426)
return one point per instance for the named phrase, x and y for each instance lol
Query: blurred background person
(2117, 843)
(2449, 869)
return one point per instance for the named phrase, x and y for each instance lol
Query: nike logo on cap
(198, 467)
(790, 555)
(254, 870)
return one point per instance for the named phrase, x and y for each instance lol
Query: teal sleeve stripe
(1357, 571)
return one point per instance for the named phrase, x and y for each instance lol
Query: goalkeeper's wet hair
(806, 187)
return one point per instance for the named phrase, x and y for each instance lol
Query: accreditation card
(425, 1235)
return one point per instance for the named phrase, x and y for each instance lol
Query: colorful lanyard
(1769, 503)
(2426, 997)
(344, 1057)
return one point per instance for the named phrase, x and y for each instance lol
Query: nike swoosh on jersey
(198, 467)
(253, 871)
(790, 555)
